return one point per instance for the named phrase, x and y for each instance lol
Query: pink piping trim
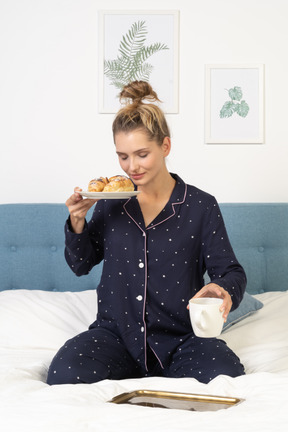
(173, 204)
(145, 286)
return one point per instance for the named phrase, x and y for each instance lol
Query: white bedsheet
(33, 325)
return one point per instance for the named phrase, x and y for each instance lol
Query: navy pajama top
(150, 273)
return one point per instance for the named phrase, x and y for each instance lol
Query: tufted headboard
(259, 236)
(32, 244)
(31, 250)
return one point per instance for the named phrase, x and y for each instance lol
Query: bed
(42, 304)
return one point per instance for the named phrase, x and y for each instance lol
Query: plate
(173, 400)
(108, 195)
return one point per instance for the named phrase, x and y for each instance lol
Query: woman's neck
(160, 188)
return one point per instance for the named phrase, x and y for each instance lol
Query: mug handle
(199, 319)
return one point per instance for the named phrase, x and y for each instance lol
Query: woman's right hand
(78, 208)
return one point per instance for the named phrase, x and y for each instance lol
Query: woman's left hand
(214, 290)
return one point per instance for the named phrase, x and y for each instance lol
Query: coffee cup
(205, 315)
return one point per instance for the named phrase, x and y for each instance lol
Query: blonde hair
(137, 114)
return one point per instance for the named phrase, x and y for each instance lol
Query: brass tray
(174, 400)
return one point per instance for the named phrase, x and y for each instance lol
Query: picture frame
(138, 45)
(234, 105)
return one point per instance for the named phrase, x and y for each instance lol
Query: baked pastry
(98, 184)
(119, 183)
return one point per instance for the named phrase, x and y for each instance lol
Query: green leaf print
(234, 105)
(235, 93)
(131, 63)
(228, 109)
(242, 109)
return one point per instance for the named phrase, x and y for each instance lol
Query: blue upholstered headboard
(32, 244)
(31, 250)
(259, 236)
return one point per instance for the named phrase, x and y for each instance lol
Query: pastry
(97, 184)
(119, 183)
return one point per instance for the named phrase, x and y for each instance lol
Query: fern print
(235, 105)
(131, 63)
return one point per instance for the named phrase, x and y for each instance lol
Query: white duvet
(34, 324)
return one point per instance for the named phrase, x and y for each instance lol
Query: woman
(156, 248)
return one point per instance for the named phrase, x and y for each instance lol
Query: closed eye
(122, 156)
(142, 154)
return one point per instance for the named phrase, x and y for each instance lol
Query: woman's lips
(137, 176)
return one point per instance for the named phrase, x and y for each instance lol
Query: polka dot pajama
(149, 274)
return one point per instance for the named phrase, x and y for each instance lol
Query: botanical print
(235, 105)
(131, 63)
(138, 45)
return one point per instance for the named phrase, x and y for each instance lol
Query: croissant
(119, 183)
(97, 184)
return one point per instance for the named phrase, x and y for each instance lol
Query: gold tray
(174, 400)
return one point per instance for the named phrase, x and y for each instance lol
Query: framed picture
(138, 45)
(234, 109)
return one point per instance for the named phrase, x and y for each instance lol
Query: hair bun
(138, 91)
(135, 114)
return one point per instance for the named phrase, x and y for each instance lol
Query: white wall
(53, 138)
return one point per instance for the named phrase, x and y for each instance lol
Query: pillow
(44, 319)
(248, 306)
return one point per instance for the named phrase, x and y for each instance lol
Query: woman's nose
(133, 165)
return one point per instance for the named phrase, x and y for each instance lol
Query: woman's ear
(166, 146)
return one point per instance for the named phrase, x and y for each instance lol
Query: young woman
(156, 248)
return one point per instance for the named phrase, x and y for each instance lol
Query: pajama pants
(98, 354)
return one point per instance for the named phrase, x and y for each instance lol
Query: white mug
(205, 315)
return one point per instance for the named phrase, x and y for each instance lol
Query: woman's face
(142, 160)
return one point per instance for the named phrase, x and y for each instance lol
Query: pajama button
(141, 265)
(142, 329)
(139, 298)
